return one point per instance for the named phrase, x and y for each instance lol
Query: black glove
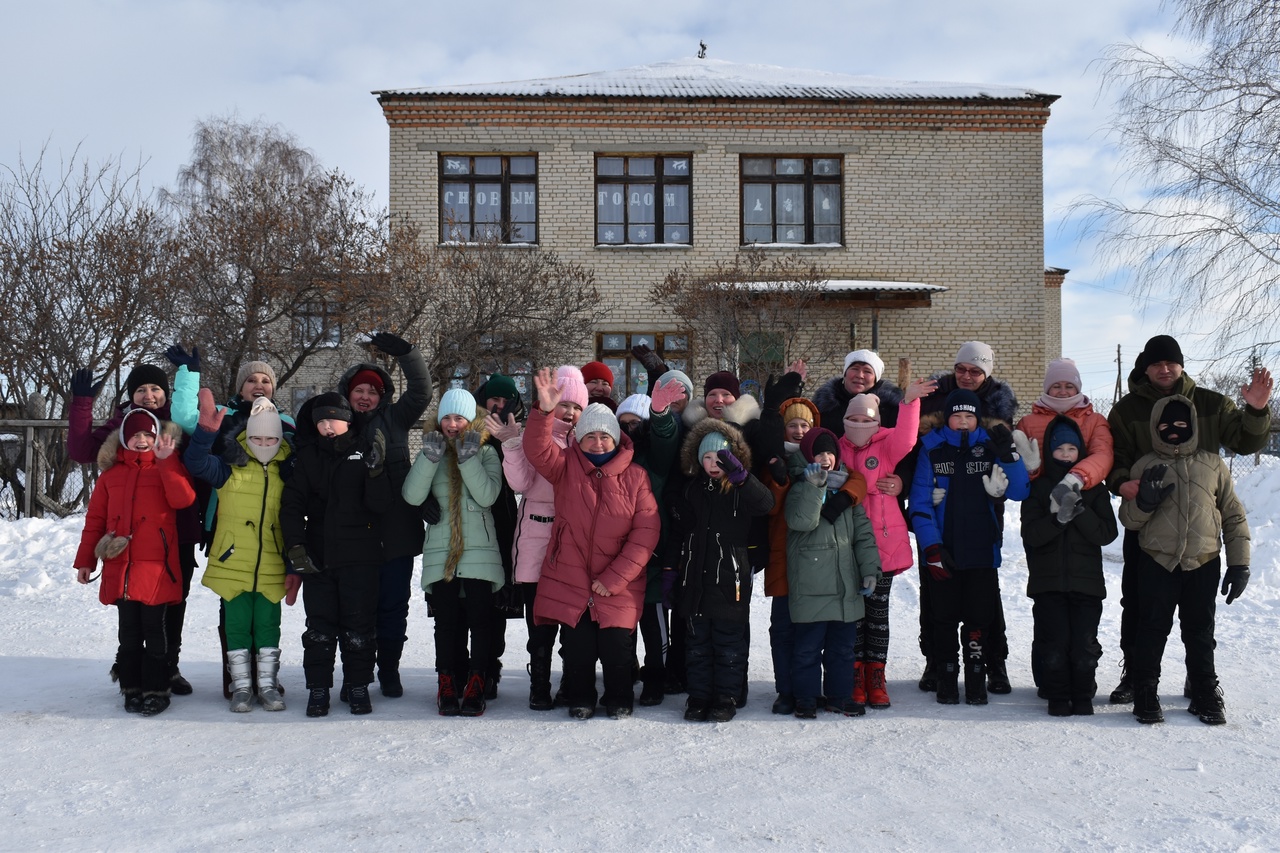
(178, 356)
(1001, 442)
(376, 458)
(431, 510)
(1234, 582)
(82, 384)
(652, 363)
(1150, 493)
(784, 388)
(393, 345)
(778, 471)
(836, 503)
(301, 562)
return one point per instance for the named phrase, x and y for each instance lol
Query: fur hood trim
(389, 387)
(108, 452)
(691, 463)
(741, 412)
(999, 404)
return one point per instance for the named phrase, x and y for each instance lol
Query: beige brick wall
(945, 193)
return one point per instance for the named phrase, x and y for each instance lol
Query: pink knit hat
(573, 388)
(1061, 370)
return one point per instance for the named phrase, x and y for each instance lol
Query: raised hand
(393, 345)
(734, 471)
(544, 381)
(1028, 449)
(178, 357)
(82, 384)
(211, 416)
(662, 396)
(1258, 391)
(919, 388)
(165, 445)
(1151, 492)
(996, 483)
(815, 474)
(467, 446)
(433, 446)
(499, 430)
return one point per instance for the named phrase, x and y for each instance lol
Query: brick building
(923, 202)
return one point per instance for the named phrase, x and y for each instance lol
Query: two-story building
(923, 202)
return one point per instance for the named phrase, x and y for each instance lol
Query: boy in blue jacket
(962, 478)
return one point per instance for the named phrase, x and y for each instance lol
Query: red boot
(859, 683)
(877, 694)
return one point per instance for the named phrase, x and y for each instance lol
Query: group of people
(609, 524)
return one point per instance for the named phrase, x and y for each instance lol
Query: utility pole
(1119, 369)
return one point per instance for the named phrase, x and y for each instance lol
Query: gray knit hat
(250, 367)
(678, 376)
(978, 354)
(597, 418)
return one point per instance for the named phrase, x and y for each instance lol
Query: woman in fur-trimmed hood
(461, 561)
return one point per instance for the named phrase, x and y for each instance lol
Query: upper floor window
(791, 199)
(643, 200)
(313, 325)
(488, 197)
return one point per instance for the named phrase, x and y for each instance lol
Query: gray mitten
(467, 446)
(433, 446)
(1069, 506)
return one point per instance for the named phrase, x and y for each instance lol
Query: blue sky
(129, 79)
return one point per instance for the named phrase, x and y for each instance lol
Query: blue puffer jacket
(968, 522)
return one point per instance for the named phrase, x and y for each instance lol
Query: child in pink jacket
(874, 451)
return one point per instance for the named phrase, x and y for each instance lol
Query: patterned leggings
(873, 637)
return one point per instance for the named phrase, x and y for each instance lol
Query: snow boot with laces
(877, 689)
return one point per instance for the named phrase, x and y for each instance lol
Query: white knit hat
(636, 404)
(978, 354)
(867, 357)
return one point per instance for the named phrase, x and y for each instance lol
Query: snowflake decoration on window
(609, 236)
(643, 234)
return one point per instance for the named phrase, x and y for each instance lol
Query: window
(629, 375)
(791, 200)
(312, 326)
(488, 197)
(643, 200)
(759, 355)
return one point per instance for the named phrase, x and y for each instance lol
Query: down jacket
(466, 494)
(1202, 513)
(1066, 557)
(606, 529)
(537, 502)
(247, 551)
(137, 497)
(827, 562)
(403, 529)
(877, 459)
(1096, 454)
(714, 526)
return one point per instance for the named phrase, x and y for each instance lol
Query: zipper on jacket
(262, 518)
(165, 541)
(597, 478)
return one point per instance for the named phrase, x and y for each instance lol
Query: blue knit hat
(457, 401)
(712, 442)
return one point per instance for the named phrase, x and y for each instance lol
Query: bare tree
(1199, 138)
(274, 249)
(476, 308)
(756, 314)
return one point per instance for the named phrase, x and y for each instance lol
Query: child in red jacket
(132, 527)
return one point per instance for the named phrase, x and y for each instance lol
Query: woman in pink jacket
(1062, 397)
(537, 514)
(605, 530)
(874, 451)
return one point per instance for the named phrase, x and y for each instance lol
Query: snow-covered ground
(81, 774)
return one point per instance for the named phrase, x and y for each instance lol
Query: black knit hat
(330, 406)
(962, 400)
(1160, 348)
(146, 374)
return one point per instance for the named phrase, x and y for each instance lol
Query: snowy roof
(853, 285)
(717, 78)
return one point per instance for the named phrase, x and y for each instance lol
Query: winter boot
(975, 683)
(540, 680)
(473, 695)
(785, 704)
(318, 702)
(806, 709)
(582, 712)
(997, 678)
(268, 666)
(877, 690)
(174, 615)
(860, 682)
(447, 696)
(389, 653)
(947, 683)
(929, 678)
(1082, 706)
(154, 702)
(241, 680)
(1207, 704)
(1146, 704)
(652, 692)
(1059, 707)
(358, 698)
(1123, 694)
(491, 680)
(178, 685)
(697, 710)
(722, 710)
(132, 701)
